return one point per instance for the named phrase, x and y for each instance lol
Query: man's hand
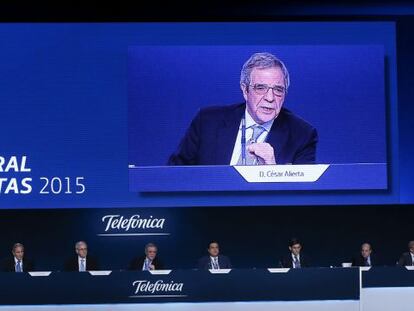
(263, 151)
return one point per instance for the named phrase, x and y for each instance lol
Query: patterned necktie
(82, 265)
(296, 262)
(147, 264)
(215, 263)
(251, 159)
(19, 266)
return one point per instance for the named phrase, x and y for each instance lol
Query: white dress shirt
(249, 133)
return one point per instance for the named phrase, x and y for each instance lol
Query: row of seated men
(213, 259)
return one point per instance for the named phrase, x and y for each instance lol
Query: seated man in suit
(81, 261)
(295, 259)
(407, 259)
(214, 260)
(365, 258)
(17, 263)
(149, 261)
(259, 131)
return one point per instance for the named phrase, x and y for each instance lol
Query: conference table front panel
(311, 284)
(388, 288)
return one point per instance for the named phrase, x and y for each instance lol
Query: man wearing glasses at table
(81, 261)
(257, 132)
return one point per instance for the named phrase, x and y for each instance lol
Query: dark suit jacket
(405, 260)
(211, 136)
(286, 261)
(73, 264)
(137, 263)
(9, 265)
(358, 261)
(205, 262)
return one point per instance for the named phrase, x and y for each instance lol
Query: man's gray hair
(16, 245)
(367, 244)
(79, 243)
(262, 60)
(150, 245)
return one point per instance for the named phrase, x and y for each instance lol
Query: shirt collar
(16, 260)
(293, 256)
(250, 122)
(80, 258)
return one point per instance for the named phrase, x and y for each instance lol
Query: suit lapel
(227, 134)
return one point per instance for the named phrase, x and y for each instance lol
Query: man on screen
(259, 131)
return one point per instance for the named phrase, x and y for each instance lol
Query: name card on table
(281, 173)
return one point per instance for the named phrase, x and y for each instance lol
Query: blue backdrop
(64, 100)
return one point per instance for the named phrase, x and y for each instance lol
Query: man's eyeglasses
(262, 89)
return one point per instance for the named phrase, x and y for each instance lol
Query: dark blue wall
(251, 236)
